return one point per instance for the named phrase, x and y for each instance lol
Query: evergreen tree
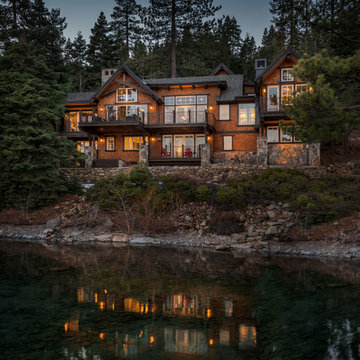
(75, 56)
(100, 53)
(165, 17)
(31, 149)
(247, 56)
(126, 24)
(330, 110)
(268, 48)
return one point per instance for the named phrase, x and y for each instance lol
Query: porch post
(144, 154)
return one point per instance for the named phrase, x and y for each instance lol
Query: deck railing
(181, 152)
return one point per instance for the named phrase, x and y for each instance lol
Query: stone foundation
(241, 157)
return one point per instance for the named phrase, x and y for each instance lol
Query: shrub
(203, 193)
(231, 196)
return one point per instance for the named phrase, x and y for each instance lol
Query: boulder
(272, 230)
(53, 223)
(48, 232)
(144, 241)
(120, 238)
(271, 214)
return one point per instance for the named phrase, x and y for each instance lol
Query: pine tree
(330, 110)
(75, 57)
(31, 149)
(101, 52)
(268, 49)
(165, 17)
(247, 56)
(126, 24)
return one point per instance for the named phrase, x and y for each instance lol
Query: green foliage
(32, 151)
(329, 112)
(203, 193)
(231, 196)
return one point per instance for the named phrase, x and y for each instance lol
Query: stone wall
(245, 157)
(215, 173)
(294, 154)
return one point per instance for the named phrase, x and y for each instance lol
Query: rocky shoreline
(44, 234)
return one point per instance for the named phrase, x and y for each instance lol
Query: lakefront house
(189, 120)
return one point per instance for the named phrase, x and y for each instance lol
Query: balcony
(273, 107)
(182, 154)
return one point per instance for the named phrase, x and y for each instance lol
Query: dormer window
(286, 75)
(126, 95)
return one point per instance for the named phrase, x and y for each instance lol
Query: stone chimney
(260, 67)
(106, 74)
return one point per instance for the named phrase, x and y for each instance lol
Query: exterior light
(209, 138)
(151, 108)
(151, 340)
(211, 342)
(211, 108)
(105, 291)
(264, 90)
(102, 336)
(101, 109)
(102, 305)
(96, 296)
(66, 327)
(208, 313)
(311, 89)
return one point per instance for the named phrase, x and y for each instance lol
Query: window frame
(127, 95)
(300, 92)
(248, 124)
(232, 142)
(282, 70)
(174, 105)
(229, 112)
(141, 142)
(107, 143)
(281, 137)
(277, 129)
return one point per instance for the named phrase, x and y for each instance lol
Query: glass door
(184, 146)
(273, 98)
(167, 146)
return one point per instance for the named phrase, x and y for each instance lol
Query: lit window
(300, 89)
(110, 143)
(246, 114)
(285, 137)
(273, 134)
(126, 95)
(133, 142)
(286, 75)
(74, 121)
(224, 112)
(286, 93)
(227, 142)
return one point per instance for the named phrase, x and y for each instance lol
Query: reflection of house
(229, 323)
(182, 120)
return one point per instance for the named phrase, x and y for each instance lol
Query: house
(187, 120)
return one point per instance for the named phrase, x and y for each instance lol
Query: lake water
(161, 303)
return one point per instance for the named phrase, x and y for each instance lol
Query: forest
(38, 66)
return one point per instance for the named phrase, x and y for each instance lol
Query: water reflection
(154, 303)
(221, 322)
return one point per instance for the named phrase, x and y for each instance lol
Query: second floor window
(246, 114)
(286, 75)
(126, 95)
(185, 109)
(224, 112)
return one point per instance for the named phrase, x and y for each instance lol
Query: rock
(238, 237)
(271, 214)
(253, 233)
(203, 223)
(48, 232)
(53, 223)
(272, 230)
(144, 241)
(223, 248)
(259, 246)
(290, 224)
(270, 207)
(120, 238)
(104, 237)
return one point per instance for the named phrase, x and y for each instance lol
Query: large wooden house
(187, 120)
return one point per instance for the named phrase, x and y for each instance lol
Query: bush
(231, 196)
(203, 193)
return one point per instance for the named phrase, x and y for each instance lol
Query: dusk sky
(252, 15)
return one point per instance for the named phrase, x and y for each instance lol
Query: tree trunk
(173, 39)
(127, 34)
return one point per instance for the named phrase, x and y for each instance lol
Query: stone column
(144, 154)
(89, 156)
(314, 154)
(262, 152)
(205, 155)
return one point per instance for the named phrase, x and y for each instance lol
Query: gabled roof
(233, 84)
(79, 98)
(277, 61)
(124, 68)
(220, 67)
